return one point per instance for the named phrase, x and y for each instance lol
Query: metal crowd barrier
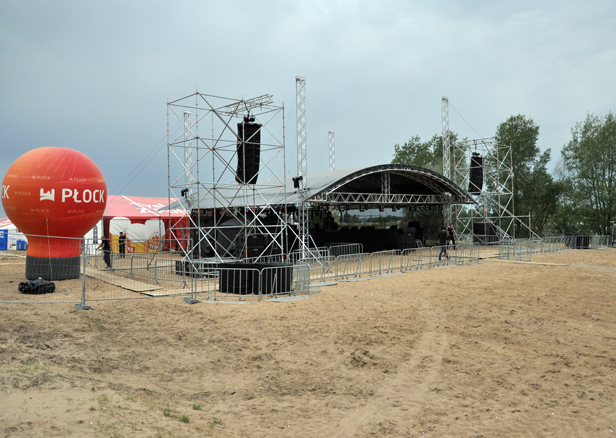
(238, 284)
(321, 270)
(601, 242)
(415, 259)
(384, 262)
(338, 249)
(168, 273)
(523, 249)
(353, 266)
(307, 254)
(516, 250)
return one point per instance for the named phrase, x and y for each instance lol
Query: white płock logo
(5, 191)
(48, 196)
(87, 196)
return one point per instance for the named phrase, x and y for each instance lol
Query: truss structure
(446, 154)
(303, 223)
(495, 201)
(188, 159)
(331, 142)
(203, 143)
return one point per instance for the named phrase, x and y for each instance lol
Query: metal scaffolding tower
(495, 199)
(302, 162)
(446, 154)
(300, 101)
(225, 206)
(332, 150)
(189, 180)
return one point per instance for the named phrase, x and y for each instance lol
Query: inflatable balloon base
(54, 196)
(65, 268)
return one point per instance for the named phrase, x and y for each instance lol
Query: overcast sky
(96, 76)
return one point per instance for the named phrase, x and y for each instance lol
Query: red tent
(139, 209)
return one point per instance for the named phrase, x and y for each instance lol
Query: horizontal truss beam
(380, 198)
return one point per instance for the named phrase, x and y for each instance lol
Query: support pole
(302, 162)
(82, 305)
(446, 155)
(332, 150)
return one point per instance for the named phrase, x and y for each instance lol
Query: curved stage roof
(384, 185)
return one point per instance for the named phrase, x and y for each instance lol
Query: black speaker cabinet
(248, 152)
(475, 182)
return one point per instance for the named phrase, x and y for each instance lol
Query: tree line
(579, 196)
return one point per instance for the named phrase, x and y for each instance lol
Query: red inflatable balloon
(50, 192)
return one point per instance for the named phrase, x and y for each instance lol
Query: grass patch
(110, 430)
(184, 419)
(197, 407)
(34, 369)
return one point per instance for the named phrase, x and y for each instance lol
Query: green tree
(414, 152)
(590, 160)
(567, 218)
(427, 154)
(534, 190)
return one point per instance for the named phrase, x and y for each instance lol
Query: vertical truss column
(302, 161)
(188, 158)
(385, 186)
(332, 150)
(300, 101)
(446, 154)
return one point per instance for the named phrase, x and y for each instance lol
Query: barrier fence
(90, 274)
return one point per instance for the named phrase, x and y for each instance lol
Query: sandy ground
(488, 350)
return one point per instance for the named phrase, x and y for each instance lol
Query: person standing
(442, 237)
(106, 251)
(122, 245)
(452, 238)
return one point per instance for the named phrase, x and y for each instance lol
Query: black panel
(476, 174)
(248, 152)
(49, 269)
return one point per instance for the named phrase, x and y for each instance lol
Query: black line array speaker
(475, 181)
(248, 152)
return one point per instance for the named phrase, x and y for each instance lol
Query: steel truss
(446, 154)
(495, 202)
(331, 143)
(302, 162)
(378, 199)
(221, 228)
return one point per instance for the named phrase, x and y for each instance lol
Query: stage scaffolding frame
(303, 220)
(446, 153)
(224, 225)
(495, 203)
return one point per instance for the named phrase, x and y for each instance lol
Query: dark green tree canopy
(590, 167)
(534, 190)
(427, 154)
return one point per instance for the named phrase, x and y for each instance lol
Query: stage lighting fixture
(381, 208)
(362, 207)
(394, 207)
(296, 181)
(341, 208)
